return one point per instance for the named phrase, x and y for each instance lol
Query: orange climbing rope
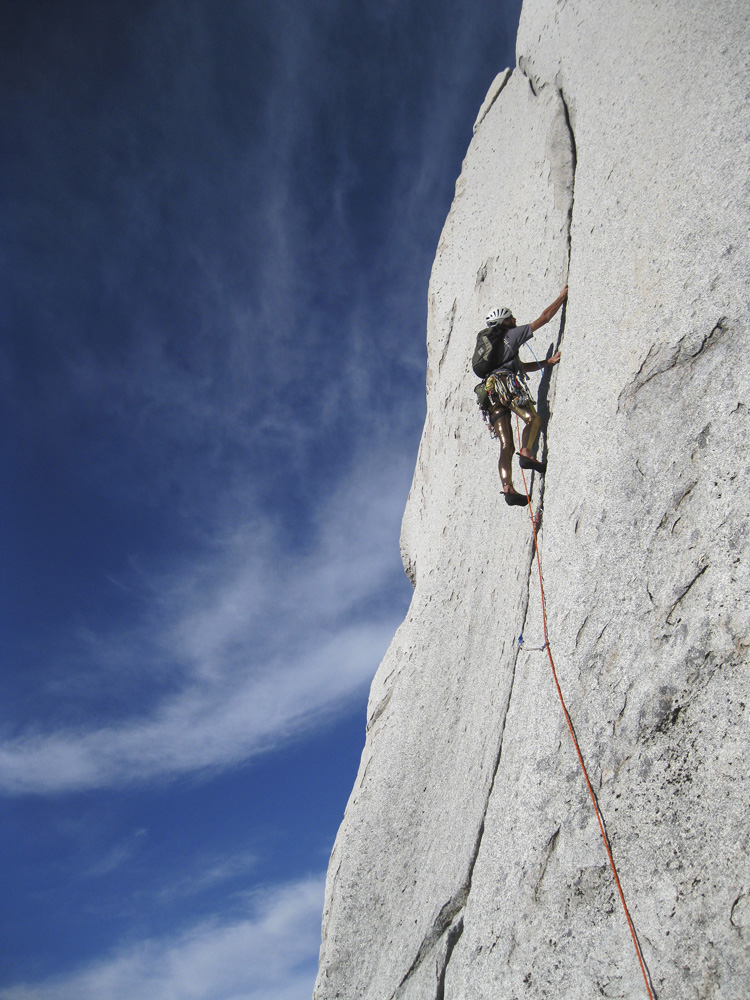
(599, 819)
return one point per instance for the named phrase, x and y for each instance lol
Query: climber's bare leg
(532, 424)
(500, 419)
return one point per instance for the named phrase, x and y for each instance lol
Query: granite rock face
(469, 864)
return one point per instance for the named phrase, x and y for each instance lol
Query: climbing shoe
(514, 499)
(531, 463)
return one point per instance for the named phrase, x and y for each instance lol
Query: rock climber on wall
(503, 388)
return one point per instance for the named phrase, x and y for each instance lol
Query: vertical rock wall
(469, 862)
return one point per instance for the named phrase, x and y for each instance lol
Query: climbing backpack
(481, 360)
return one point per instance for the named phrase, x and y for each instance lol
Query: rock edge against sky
(469, 862)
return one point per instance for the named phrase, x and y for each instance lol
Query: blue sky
(217, 225)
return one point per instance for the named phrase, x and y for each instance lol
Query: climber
(503, 388)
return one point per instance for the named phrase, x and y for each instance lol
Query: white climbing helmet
(498, 316)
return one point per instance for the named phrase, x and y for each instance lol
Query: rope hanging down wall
(597, 811)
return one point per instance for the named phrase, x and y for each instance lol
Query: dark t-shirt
(504, 355)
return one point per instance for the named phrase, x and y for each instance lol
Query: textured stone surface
(469, 863)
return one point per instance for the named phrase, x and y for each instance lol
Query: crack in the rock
(545, 381)
(662, 358)
(546, 374)
(685, 590)
(454, 933)
(573, 164)
(707, 341)
(599, 637)
(579, 633)
(379, 708)
(677, 501)
(446, 919)
(453, 907)
(442, 922)
(457, 902)
(451, 321)
(548, 854)
(522, 66)
(734, 907)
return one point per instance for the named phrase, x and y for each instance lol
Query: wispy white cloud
(205, 873)
(255, 642)
(270, 955)
(259, 643)
(116, 856)
(248, 642)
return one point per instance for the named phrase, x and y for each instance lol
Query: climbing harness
(501, 389)
(592, 796)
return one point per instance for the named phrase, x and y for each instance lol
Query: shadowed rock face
(469, 863)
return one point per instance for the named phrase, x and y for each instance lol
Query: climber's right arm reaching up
(550, 311)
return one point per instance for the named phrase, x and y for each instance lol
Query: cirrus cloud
(270, 955)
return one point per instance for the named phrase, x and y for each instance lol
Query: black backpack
(482, 360)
